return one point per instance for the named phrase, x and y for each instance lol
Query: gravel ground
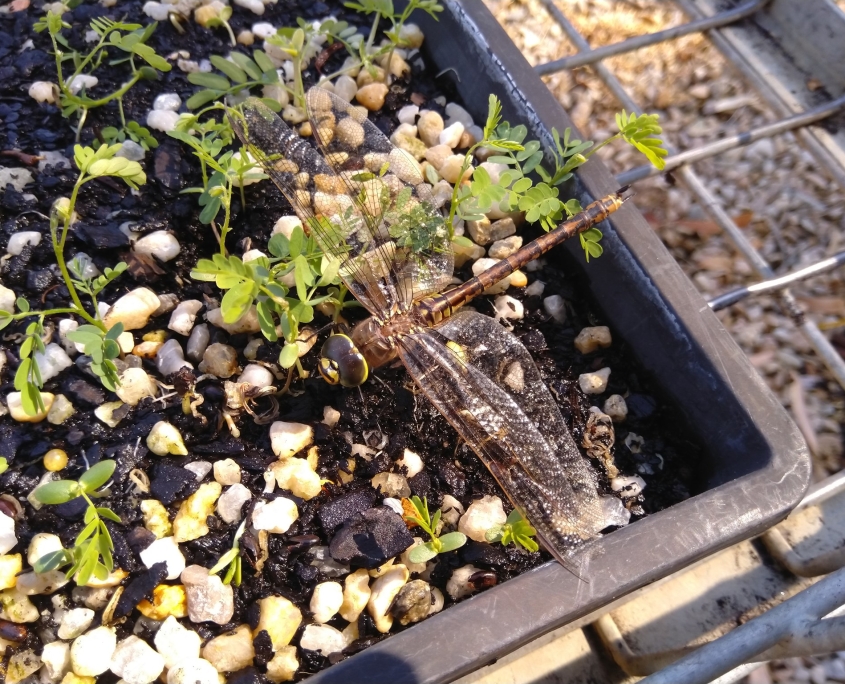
(791, 212)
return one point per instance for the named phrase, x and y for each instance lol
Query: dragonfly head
(342, 363)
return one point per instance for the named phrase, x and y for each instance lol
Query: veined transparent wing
(375, 266)
(406, 231)
(489, 389)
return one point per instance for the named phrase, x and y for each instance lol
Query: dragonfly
(368, 205)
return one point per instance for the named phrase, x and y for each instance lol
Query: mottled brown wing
(493, 395)
(305, 179)
(406, 232)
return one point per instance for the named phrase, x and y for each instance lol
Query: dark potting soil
(388, 414)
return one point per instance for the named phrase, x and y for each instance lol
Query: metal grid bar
(590, 56)
(826, 351)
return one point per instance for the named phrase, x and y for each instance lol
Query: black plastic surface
(757, 467)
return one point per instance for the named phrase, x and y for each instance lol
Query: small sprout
(240, 73)
(124, 42)
(100, 344)
(232, 559)
(91, 555)
(4, 465)
(516, 530)
(514, 189)
(428, 550)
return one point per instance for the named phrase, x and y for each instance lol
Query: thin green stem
(597, 147)
(59, 248)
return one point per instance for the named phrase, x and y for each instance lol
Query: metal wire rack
(766, 41)
(754, 36)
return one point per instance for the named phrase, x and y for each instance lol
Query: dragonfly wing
(303, 176)
(406, 233)
(492, 393)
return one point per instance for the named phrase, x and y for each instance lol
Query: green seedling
(428, 550)
(100, 342)
(232, 560)
(259, 282)
(516, 530)
(364, 51)
(91, 555)
(516, 190)
(4, 465)
(124, 42)
(237, 74)
(132, 131)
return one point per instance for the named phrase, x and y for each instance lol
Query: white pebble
(21, 239)
(630, 486)
(56, 660)
(60, 411)
(162, 120)
(199, 468)
(254, 6)
(227, 472)
(7, 300)
(535, 289)
(454, 112)
(590, 339)
(345, 88)
(18, 177)
(286, 225)
(135, 662)
(170, 358)
(555, 306)
(594, 383)
(482, 515)
(176, 643)
(77, 83)
(286, 439)
(257, 376)
(131, 150)
(508, 308)
(135, 385)
(7, 534)
(459, 585)
(616, 408)
(323, 638)
(452, 510)
(156, 11)
(263, 30)
(193, 671)
(75, 622)
(198, 341)
(326, 601)
(167, 102)
(164, 550)
(184, 315)
(383, 591)
(165, 439)
(52, 362)
(408, 114)
(43, 91)
(451, 135)
(133, 309)
(161, 244)
(91, 653)
(412, 462)
(275, 516)
(231, 502)
(330, 416)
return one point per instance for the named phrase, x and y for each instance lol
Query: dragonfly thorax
(377, 340)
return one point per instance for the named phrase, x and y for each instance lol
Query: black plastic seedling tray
(755, 463)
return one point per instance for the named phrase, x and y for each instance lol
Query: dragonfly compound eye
(341, 362)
